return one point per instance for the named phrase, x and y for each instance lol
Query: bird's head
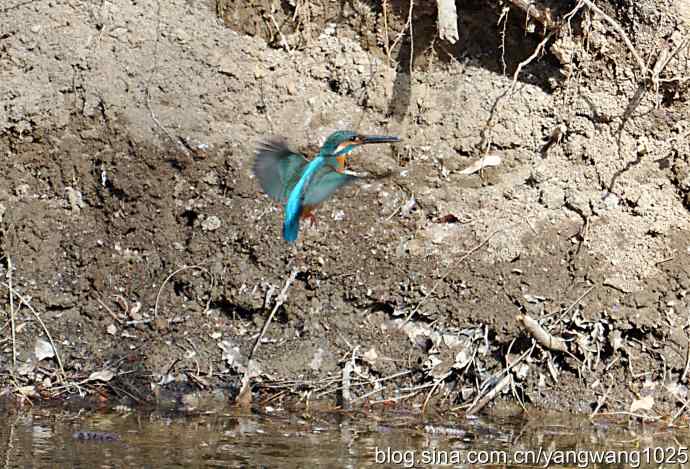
(344, 141)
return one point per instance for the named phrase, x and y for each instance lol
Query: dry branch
(542, 336)
(482, 401)
(537, 12)
(448, 21)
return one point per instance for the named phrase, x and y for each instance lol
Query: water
(40, 437)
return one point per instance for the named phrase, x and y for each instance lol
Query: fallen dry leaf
(646, 403)
(103, 375)
(489, 160)
(43, 350)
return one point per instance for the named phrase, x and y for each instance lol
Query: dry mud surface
(131, 223)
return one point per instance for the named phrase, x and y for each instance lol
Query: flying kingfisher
(300, 185)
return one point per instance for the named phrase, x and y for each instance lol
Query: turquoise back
(290, 179)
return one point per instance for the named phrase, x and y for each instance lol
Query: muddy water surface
(49, 438)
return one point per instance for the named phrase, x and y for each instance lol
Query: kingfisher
(301, 185)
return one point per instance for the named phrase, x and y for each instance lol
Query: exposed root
(167, 279)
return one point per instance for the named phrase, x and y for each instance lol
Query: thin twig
(167, 279)
(110, 311)
(576, 302)
(437, 383)
(283, 41)
(279, 302)
(481, 402)
(347, 380)
(601, 402)
(684, 376)
(408, 24)
(147, 91)
(442, 279)
(385, 33)
(23, 300)
(12, 312)
(482, 399)
(621, 33)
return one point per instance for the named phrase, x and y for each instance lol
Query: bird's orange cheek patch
(341, 163)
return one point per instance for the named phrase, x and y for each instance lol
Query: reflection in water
(46, 438)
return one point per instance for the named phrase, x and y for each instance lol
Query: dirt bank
(135, 230)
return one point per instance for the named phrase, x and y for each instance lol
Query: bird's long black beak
(366, 139)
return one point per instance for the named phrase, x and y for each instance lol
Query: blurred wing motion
(278, 168)
(325, 182)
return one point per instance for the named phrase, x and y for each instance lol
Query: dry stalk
(12, 313)
(283, 41)
(364, 383)
(110, 311)
(575, 303)
(385, 32)
(437, 383)
(347, 380)
(680, 411)
(482, 401)
(279, 302)
(408, 25)
(684, 376)
(503, 18)
(413, 392)
(23, 300)
(601, 402)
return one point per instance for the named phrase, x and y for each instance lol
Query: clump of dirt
(132, 227)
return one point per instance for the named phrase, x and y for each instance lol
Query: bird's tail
(291, 227)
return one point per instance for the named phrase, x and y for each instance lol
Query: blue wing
(325, 182)
(277, 168)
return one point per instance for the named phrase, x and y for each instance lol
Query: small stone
(43, 350)
(291, 88)
(74, 198)
(211, 223)
(552, 196)
(579, 202)
(22, 190)
(211, 178)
